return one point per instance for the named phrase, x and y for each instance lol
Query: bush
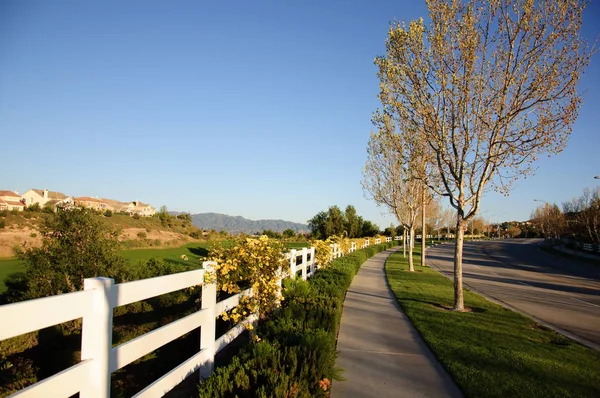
(293, 353)
(2, 224)
(108, 213)
(34, 207)
(33, 235)
(3, 213)
(141, 235)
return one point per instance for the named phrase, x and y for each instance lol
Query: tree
(514, 231)
(489, 86)
(76, 245)
(549, 220)
(288, 233)
(317, 225)
(163, 215)
(368, 229)
(583, 216)
(387, 180)
(353, 223)
(334, 225)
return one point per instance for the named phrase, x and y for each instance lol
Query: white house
(10, 200)
(43, 196)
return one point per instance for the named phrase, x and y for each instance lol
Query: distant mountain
(239, 224)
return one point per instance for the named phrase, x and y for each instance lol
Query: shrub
(3, 213)
(2, 224)
(108, 213)
(34, 207)
(141, 235)
(33, 235)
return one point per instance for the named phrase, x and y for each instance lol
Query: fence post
(96, 337)
(279, 279)
(208, 331)
(293, 269)
(312, 261)
(304, 260)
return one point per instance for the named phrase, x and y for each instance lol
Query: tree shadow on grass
(198, 251)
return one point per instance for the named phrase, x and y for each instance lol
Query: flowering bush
(249, 262)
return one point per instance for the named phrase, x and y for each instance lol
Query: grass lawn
(296, 245)
(491, 351)
(194, 252)
(8, 267)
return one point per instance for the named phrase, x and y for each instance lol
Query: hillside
(22, 230)
(239, 224)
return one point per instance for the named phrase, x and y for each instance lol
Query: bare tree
(549, 220)
(387, 180)
(583, 215)
(489, 86)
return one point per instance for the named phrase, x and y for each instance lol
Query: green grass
(194, 251)
(8, 267)
(296, 245)
(491, 351)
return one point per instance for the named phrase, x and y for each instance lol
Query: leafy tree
(353, 222)
(488, 86)
(317, 225)
(335, 221)
(289, 233)
(271, 234)
(76, 245)
(369, 229)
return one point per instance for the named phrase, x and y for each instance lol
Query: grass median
(491, 351)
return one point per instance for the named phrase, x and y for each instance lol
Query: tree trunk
(411, 244)
(404, 243)
(423, 233)
(459, 304)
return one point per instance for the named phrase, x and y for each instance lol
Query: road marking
(582, 301)
(524, 284)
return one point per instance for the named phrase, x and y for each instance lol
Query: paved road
(563, 293)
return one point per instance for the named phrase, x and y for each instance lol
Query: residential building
(43, 196)
(92, 203)
(10, 200)
(131, 208)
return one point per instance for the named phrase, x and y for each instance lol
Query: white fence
(99, 359)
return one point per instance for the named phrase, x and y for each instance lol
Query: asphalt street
(560, 292)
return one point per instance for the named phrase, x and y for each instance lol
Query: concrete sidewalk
(381, 353)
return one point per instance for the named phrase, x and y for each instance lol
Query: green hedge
(297, 345)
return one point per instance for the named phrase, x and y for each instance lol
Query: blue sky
(260, 109)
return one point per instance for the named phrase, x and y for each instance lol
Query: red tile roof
(9, 193)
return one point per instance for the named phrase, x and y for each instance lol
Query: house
(92, 203)
(143, 209)
(43, 196)
(131, 208)
(10, 200)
